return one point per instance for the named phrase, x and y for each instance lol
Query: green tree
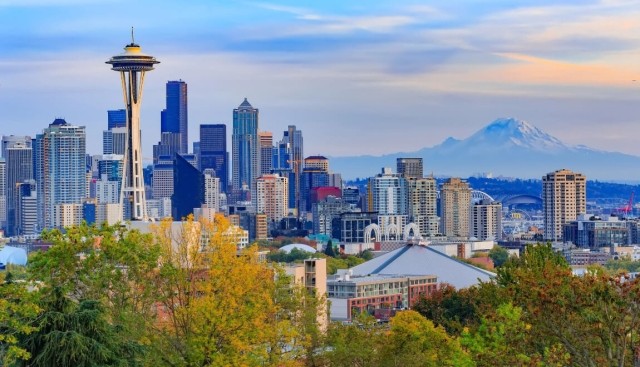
(328, 250)
(498, 255)
(70, 333)
(355, 345)
(17, 308)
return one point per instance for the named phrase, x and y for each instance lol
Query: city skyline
(385, 69)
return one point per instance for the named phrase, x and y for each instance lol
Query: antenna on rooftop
(132, 40)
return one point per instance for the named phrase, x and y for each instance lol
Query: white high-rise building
(564, 197)
(60, 168)
(387, 193)
(107, 192)
(211, 190)
(273, 197)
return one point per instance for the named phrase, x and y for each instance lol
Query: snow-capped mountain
(508, 147)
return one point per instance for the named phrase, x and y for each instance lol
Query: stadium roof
(299, 246)
(13, 255)
(422, 260)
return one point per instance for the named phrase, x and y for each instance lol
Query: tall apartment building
(60, 170)
(266, 152)
(273, 197)
(455, 203)
(18, 155)
(387, 193)
(174, 118)
(410, 167)
(564, 197)
(213, 152)
(211, 190)
(245, 148)
(486, 220)
(423, 204)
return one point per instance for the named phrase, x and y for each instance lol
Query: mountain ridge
(506, 146)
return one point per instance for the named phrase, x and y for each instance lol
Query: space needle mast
(132, 65)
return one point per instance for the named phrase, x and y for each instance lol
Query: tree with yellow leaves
(219, 305)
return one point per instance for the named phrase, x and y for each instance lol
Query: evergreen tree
(328, 250)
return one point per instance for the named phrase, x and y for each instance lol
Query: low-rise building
(350, 295)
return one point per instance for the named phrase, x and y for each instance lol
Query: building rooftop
(422, 260)
(245, 103)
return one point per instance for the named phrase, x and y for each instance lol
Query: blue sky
(357, 77)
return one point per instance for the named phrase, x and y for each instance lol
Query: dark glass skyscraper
(213, 152)
(174, 118)
(116, 118)
(188, 188)
(245, 148)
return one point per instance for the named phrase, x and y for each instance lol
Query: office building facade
(245, 149)
(410, 167)
(18, 155)
(174, 118)
(213, 152)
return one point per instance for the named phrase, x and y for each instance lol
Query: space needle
(132, 65)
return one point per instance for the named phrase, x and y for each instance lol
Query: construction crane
(627, 209)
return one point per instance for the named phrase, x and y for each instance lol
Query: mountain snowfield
(507, 147)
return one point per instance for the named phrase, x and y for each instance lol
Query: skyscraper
(189, 187)
(273, 197)
(315, 174)
(213, 152)
(410, 167)
(387, 193)
(266, 152)
(423, 204)
(132, 66)
(296, 155)
(60, 168)
(174, 118)
(19, 166)
(245, 148)
(211, 190)
(455, 198)
(3, 194)
(564, 197)
(116, 118)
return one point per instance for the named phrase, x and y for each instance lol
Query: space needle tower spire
(132, 65)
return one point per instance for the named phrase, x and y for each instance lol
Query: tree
(221, 306)
(17, 309)
(70, 333)
(498, 255)
(328, 250)
(355, 345)
(111, 265)
(415, 341)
